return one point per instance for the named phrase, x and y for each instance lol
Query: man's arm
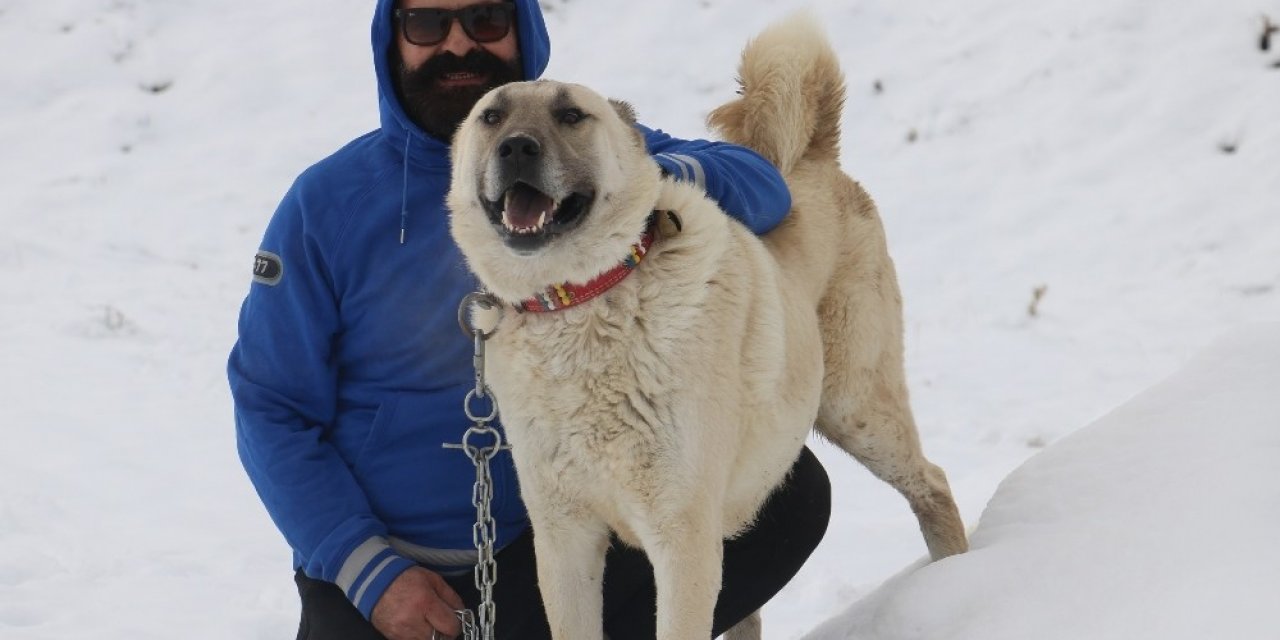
(283, 383)
(745, 185)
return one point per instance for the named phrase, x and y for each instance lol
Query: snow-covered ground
(1157, 521)
(1121, 156)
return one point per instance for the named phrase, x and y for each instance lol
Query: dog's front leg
(687, 555)
(570, 555)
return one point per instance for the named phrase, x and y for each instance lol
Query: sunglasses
(481, 22)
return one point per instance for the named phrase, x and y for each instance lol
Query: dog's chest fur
(589, 399)
(601, 402)
(660, 393)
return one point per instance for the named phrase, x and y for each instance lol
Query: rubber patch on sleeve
(268, 268)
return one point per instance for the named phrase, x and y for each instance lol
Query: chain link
(485, 530)
(468, 622)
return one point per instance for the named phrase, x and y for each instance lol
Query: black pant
(757, 564)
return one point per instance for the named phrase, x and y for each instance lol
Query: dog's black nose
(519, 146)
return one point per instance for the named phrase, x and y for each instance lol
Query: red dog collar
(565, 295)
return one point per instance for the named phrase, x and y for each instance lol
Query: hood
(535, 52)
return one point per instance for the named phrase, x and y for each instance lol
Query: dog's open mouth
(527, 218)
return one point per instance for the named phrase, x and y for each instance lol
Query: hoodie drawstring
(404, 192)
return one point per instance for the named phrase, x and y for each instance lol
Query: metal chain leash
(485, 530)
(468, 622)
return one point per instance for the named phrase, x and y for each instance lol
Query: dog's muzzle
(526, 214)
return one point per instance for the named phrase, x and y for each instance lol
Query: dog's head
(551, 183)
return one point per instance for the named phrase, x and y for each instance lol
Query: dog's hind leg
(877, 428)
(748, 629)
(865, 411)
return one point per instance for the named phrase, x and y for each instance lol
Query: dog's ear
(669, 223)
(625, 111)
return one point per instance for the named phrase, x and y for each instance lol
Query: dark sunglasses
(482, 22)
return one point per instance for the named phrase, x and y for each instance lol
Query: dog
(689, 359)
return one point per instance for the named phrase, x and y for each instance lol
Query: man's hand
(417, 603)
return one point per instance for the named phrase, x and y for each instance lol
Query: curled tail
(792, 96)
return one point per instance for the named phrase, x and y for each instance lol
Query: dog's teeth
(512, 227)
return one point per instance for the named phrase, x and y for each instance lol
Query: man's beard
(438, 109)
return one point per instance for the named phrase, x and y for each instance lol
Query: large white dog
(686, 360)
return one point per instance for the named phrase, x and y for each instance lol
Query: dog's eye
(571, 116)
(491, 116)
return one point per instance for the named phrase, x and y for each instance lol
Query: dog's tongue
(525, 206)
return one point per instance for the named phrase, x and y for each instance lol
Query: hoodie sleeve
(746, 185)
(283, 383)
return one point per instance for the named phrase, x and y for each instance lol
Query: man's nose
(457, 41)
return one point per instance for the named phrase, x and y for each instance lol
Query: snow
(1156, 521)
(1078, 145)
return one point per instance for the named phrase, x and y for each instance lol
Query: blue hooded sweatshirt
(350, 370)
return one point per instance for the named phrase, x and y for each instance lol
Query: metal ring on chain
(482, 299)
(488, 451)
(493, 409)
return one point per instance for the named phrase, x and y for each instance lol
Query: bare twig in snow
(1269, 29)
(1037, 295)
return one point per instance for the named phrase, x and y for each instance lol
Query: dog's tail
(792, 96)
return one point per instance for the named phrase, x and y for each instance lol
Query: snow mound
(1154, 522)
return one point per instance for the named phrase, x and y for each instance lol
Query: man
(350, 370)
